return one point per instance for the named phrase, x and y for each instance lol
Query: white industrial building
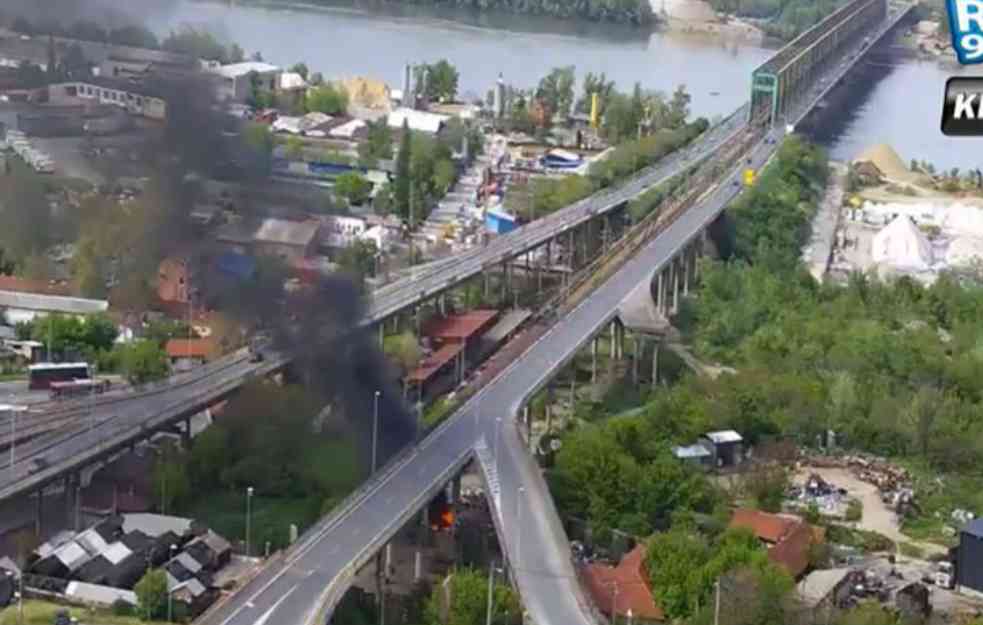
(19, 307)
(420, 121)
(237, 79)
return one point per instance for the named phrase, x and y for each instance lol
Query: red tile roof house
(185, 354)
(788, 537)
(623, 588)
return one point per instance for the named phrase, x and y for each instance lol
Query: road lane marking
(266, 615)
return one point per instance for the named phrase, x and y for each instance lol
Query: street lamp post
(249, 497)
(170, 593)
(518, 529)
(491, 591)
(375, 429)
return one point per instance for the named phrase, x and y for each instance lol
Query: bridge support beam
(635, 355)
(593, 360)
(655, 364)
(674, 264)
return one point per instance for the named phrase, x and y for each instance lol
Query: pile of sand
(887, 160)
(366, 92)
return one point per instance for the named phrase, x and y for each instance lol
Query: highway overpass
(302, 586)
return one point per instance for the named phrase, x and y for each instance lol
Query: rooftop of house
(974, 528)
(416, 120)
(630, 581)
(816, 586)
(284, 232)
(190, 348)
(52, 303)
(788, 536)
(40, 287)
(238, 70)
(154, 525)
(724, 436)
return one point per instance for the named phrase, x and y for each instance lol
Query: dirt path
(877, 517)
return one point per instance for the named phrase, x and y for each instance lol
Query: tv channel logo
(962, 109)
(966, 25)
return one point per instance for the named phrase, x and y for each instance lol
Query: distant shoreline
(393, 7)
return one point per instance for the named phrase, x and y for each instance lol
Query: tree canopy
(437, 82)
(328, 98)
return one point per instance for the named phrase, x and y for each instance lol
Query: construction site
(894, 221)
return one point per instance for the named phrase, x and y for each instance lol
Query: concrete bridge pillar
(634, 359)
(675, 285)
(614, 340)
(658, 292)
(382, 334)
(605, 233)
(687, 268)
(487, 286)
(573, 386)
(442, 304)
(593, 360)
(586, 240)
(655, 364)
(572, 246)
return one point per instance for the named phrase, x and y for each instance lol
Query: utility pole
(716, 606)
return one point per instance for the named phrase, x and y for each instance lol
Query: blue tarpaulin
(236, 265)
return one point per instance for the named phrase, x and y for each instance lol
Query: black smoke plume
(319, 324)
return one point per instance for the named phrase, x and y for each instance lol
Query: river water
(899, 98)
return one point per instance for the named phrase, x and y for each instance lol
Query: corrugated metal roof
(691, 451)
(155, 524)
(103, 595)
(72, 555)
(974, 528)
(416, 120)
(52, 303)
(188, 562)
(817, 585)
(284, 232)
(237, 70)
(724, 436)
(116, 552)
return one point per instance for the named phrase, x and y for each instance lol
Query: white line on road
(266, 616)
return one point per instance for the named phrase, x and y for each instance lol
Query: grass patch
(225, 512)
(854, 510)
(910, 550)
(928, 529)
(864, 540)
(437, 412)
(43, 613)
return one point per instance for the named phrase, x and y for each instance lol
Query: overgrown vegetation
(784, 19)
(273, 439)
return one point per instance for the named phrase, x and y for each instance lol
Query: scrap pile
(893, 482)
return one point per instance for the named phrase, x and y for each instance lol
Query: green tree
(555, 90)
(294, 148)
(599, 84)
(675, 561)
(208, 457)
(468, 590)
(300, 68)
(134, 35)
(144, 361)
(436, 81)
(678, 107)
(200, 44)
(353, 187)
(151, 592)
(358, 258)
(402, 183)
(404, 350)
(172, 485)
(378, 144)
(329, 98)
